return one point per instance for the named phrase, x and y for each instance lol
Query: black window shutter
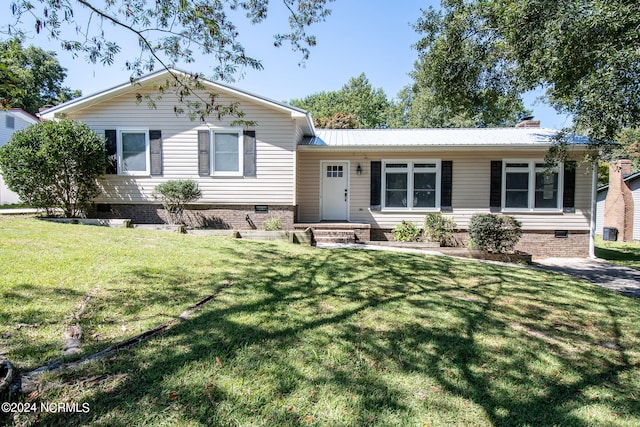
(376, 185)
(155, 142)
(249, 139)
(446, 185)
(112, 150)
(495, 196)
(204, 168)
(569, 193)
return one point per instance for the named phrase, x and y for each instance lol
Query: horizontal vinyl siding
(635, 188)
(275, 145)
(600, 212)
(18, 124)
(7, 196)
(471, 181)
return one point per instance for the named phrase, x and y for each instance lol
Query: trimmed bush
(407, 232)
(439, 228)
(175, 194)
(494, 233)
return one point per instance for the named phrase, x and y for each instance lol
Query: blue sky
(360, 36)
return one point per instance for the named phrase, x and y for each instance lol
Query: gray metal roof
(446, 137)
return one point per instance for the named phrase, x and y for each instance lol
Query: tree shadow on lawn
(25, 328)
(342, 337)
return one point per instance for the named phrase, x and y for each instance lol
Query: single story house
(367, 181)
(618, 203)
(12, 120)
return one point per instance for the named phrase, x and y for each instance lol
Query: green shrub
(439, 228)
(407, 232)
(273, 224)
(55, 164)
(175, 194)
(494, 233)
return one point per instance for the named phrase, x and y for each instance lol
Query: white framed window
(411, 184)
(226, 152)
(133, 152)
(527, 185)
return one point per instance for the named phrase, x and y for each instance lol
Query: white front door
(335, 191)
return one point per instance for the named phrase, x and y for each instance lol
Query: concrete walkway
(621, 279)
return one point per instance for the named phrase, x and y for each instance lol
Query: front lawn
(301, 336)
(627, 254)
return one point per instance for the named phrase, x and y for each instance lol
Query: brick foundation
(540, 244)
(237, 217)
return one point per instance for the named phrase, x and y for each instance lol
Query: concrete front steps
(334, 232)
(333, 236)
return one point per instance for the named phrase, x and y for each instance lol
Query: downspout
(592, 231)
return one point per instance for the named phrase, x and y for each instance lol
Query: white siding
(602, 195)
(275, 148)
(635, 190)
(7, 196)
(19, 123)
(471, 185)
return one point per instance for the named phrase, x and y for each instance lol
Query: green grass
(14, 205)
(312, 337)
(627, 254)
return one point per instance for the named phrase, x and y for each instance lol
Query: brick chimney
(618, 206)
(528, 122)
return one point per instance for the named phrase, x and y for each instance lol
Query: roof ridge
(170, 70)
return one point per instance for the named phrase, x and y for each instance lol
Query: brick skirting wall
(540, 244)
(237, 217)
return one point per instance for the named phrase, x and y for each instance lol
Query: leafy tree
(420, 110)
(55, 164)
(169, 32)
(461, 76)
(369, 105)
(584, 53)
(356, 99)
(30, 77)
(322, 106)
(337, 121)
(628, 147)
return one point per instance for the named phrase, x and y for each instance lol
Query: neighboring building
(12, 120)
(618, 203)
(282, 166)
